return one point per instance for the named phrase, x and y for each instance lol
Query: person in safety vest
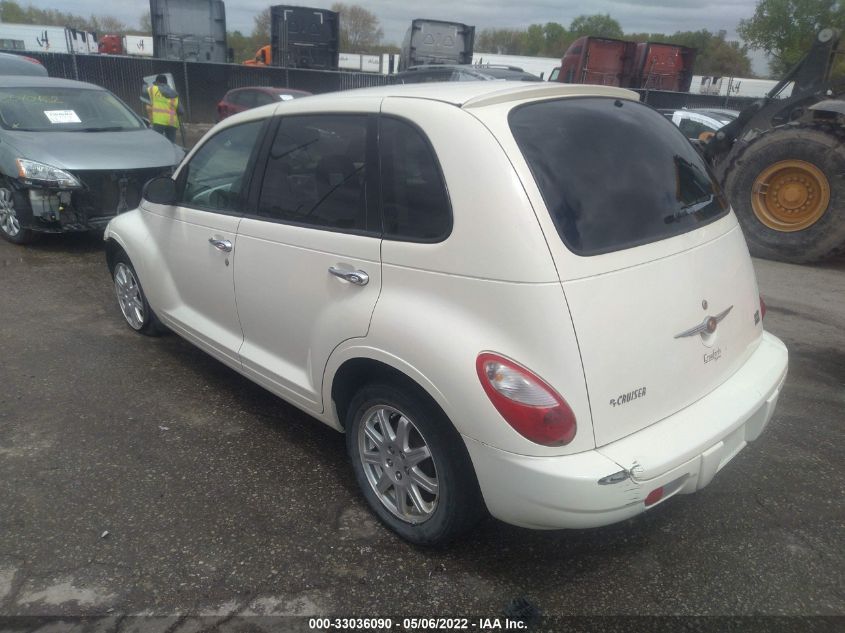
(164, 108)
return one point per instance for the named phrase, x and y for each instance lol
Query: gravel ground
(139, 476)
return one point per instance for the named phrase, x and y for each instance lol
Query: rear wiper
(689, 209)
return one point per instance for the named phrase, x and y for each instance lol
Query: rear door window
(614, 173)
(317, 172)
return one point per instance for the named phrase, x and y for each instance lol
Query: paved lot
(217, 498)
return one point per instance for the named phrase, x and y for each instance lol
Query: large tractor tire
(787, 188)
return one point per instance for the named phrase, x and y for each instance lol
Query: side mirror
(161, 190)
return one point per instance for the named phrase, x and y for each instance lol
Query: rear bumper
(681, 454)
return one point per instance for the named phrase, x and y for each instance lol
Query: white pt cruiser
(528, 300)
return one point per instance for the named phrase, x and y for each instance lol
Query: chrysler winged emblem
(707, 326)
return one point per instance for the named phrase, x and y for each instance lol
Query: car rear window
(614, 173)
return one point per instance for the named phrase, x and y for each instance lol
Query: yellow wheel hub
(790, 195)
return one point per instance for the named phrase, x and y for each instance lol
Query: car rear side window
(614, 173)
(317, 172)
(262, 98)
(237, 97)
(248, 98)
(415, 205)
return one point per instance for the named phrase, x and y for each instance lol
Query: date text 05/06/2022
(417, 624)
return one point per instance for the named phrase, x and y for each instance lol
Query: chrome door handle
(358, 277)
(223, 245)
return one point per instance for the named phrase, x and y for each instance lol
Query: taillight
(762, 308)
(528, 404)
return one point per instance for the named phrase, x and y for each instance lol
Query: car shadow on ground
(86, 242)
(504, 546)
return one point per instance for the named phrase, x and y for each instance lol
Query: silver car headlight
(38, 173)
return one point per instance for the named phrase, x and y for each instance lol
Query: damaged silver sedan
(72, 156)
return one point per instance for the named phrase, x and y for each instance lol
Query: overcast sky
(653, 16)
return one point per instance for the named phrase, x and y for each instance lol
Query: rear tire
(131, 299)
(420, 481)
(778, 184)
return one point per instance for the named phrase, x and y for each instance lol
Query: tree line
(784, 29)
(14, 13)
(716, 55)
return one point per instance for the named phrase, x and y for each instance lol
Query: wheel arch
(130, 234)
(352, 368)
(113, 247)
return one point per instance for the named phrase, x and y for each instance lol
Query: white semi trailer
(46, 39)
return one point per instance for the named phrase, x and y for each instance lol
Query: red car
(241, 99)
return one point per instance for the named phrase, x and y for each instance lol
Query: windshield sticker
(62, 116)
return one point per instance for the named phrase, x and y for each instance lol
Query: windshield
(614, 173)
(61, 109)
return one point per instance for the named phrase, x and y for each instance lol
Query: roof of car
(422, 67)
(27, 81)
(497, 71)
(273, 89)
(508, 73)
(717, 112)
(20, 65)
(476, 93)
(464, 94)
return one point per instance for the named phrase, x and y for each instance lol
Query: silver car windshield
(61, 109)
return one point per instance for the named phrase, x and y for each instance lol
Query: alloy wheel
(128, 292)
(398, 464)
(9, 223)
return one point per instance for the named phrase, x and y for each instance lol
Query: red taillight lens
(527, 403)
(654, 496)
(762, 308)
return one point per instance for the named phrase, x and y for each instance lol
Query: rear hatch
(655, 271)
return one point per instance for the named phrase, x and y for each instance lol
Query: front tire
(411, 465)
(10, 222)
(787, 187)
(133, 302)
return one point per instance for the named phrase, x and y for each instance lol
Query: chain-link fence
(200, 84)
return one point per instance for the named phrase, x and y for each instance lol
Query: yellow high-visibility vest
(163, 108)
